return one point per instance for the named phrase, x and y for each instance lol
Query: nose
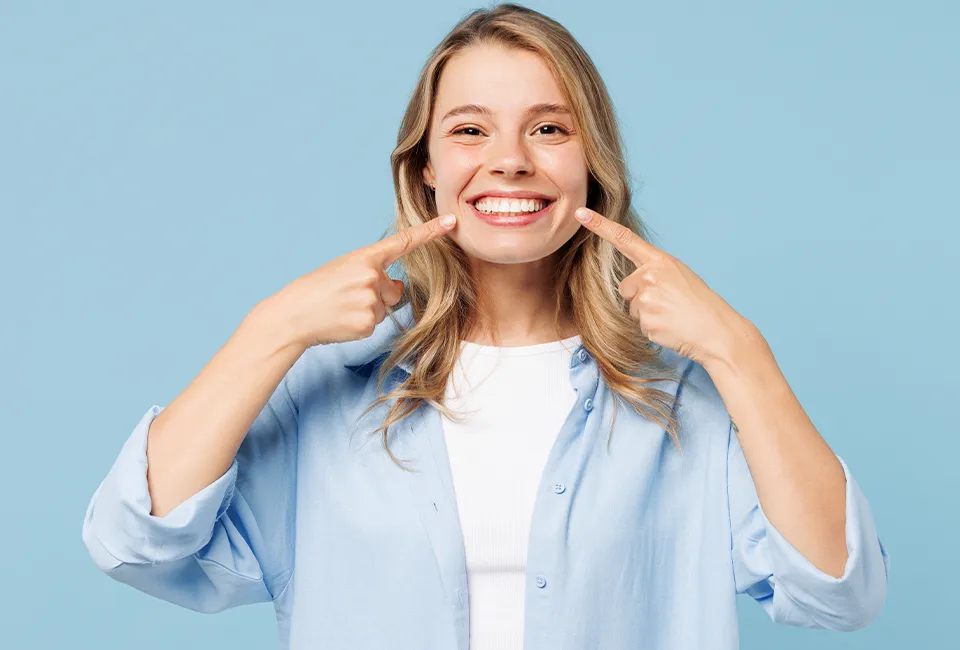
(509, 157)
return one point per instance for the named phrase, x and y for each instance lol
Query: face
(505, 156)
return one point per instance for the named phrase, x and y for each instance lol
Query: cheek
(567, 169)
(453, 164)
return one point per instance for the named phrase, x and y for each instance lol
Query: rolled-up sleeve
(788, 586)
(229, 544)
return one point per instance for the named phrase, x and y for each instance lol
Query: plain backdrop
(165, 167)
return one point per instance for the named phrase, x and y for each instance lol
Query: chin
(504, 248)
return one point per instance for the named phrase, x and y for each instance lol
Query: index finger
(635, 247)
(392, 248)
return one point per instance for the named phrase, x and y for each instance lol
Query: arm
(799, 480)
(200, 507)
(804, 543)
(225, 533)
(195, 439)
(836, 575)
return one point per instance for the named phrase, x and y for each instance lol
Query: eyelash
(555, 126)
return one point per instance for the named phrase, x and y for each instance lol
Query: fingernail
(448, 220)
(582, 214)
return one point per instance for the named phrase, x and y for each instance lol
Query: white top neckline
(522, 350)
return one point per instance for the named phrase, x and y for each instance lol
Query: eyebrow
(477, 109)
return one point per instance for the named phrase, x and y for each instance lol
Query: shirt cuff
(118, 520)
(845, 603)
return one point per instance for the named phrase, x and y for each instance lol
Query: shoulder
(344, 364)
(697, 396)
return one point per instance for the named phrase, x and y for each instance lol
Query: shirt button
(588, 404)
(582, 355)
(558, 487)
(460, 595)
(541, 582)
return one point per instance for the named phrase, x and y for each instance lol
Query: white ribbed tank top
(515, 400)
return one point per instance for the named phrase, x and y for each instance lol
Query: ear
(428, 176)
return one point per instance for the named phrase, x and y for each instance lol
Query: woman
(522, 512)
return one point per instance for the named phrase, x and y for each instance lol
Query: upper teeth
(495, 204)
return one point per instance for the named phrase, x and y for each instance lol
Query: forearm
(194, 440)
(799, 480)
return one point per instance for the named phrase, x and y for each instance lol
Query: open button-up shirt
(632, 545)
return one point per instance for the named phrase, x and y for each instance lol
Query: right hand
(346, 298)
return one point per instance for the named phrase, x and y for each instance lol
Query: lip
(524, 219)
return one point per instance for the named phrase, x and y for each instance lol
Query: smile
(504, 206)
(510, 212)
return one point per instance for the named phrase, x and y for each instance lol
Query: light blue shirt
(635, 545)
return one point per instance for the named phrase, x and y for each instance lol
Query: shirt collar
(363, 356)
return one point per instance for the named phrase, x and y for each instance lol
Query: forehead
(501, 78)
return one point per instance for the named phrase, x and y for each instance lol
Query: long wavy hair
(439, 286)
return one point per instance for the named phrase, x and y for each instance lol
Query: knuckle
(371, 299)
(369, 276)
(366, 322)
(621, 234)
(405, 239)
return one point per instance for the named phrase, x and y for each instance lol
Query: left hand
(674, 306)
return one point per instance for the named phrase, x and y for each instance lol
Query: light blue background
(164, 168)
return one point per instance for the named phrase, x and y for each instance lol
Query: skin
(507, 149)
(799, 480)
(194, 440)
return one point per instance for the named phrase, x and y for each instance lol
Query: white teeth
(498, 205)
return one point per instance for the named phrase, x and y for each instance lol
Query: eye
(553, 126)
(466, 128)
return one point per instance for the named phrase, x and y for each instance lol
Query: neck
(516, 304)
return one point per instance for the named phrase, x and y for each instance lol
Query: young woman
(561, 437)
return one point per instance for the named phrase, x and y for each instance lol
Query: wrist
(742, 340)
(272, 325)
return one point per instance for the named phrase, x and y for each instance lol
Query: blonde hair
(439, 286)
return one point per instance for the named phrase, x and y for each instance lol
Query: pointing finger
(392, 248)
(637, 249)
